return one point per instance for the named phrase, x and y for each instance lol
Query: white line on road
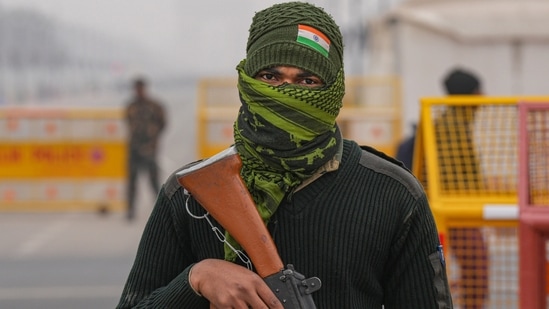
(41, 238)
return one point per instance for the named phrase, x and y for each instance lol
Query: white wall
(424, 56)
(535, 65)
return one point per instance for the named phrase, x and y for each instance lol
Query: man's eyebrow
(306, 74)
(273, 71)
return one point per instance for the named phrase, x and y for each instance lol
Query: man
(460, 173)
(405, 150)
(146, 121)
(354, 218)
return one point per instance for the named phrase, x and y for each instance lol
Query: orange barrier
(62, 158)
(466, 157)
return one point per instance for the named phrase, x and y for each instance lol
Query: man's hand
(227, 285)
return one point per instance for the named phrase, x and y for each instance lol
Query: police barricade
(62, 158)
(371, 113)
(466, 157)
(533, 203)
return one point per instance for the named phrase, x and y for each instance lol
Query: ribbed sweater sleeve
(159, 276)
(414, 272)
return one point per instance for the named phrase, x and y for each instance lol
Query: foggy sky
(196, 37)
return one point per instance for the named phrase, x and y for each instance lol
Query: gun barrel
(216, 184)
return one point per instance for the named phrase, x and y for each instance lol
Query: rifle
(216, 184)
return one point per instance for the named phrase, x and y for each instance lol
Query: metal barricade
(466, 157)
(62, 158)
(533, 203)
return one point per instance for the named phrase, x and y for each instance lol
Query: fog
(178, 35)
(195, 37)
(66, 48)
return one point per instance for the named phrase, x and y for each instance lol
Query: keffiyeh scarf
(283, 134)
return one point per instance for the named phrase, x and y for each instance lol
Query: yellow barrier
(466, 155)
(62, 158)
(371, 113)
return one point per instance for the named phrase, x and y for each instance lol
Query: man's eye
(267, 76)
(311, 81)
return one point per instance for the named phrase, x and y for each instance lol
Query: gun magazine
(293, 289)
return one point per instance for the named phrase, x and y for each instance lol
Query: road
(65, 260)
(81, 260)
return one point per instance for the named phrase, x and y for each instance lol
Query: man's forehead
(288, 69)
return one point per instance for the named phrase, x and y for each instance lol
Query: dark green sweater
(365, 230)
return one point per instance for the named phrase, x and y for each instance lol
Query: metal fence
(466, 155)
(534, 203)
(62, 158)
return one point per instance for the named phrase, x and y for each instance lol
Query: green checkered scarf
(283, 135)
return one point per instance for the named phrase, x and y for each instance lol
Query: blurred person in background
(350, 215)
(460, 173)
(405, 150)
(145, 118)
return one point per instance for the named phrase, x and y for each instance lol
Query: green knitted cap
(297, 34)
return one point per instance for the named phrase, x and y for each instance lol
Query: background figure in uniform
(146, 120)
(460, 173)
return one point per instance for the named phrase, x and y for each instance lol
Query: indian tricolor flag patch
(313, 38)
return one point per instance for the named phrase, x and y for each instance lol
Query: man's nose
(286, 80)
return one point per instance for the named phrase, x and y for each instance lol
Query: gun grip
(292, 289)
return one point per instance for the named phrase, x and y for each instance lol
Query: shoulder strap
(383, 155)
